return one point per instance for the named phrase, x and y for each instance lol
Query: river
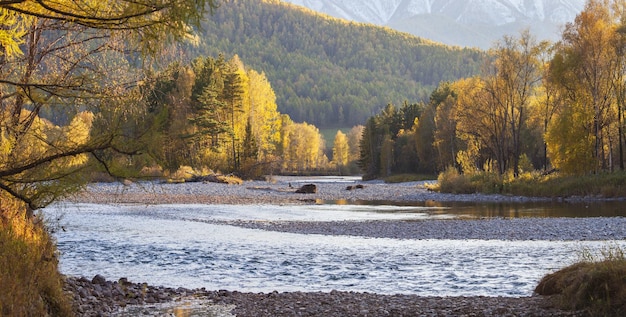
(196, 246)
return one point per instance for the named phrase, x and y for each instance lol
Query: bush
(30, 282)
(182, 174)
(451, 181)
(595, 286)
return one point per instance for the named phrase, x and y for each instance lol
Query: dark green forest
(326, 71)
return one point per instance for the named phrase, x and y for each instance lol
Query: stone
(307, 189)
(99, 279)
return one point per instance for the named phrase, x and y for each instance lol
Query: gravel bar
(274, 192)
(548, 229)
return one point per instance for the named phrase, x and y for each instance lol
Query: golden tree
(68, 86)
(585, 67)
(341, 150)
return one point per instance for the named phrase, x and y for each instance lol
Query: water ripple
(158, 245)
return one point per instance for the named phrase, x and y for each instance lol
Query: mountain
(327, 71)
(473, 23)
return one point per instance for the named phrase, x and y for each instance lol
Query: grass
(534, 184)
(30, 282)
(596, 285)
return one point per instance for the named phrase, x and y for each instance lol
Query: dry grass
(402, 178)
(535, 184)
(597, 286)
(30, 282)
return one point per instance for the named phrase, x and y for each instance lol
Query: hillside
(326, 71)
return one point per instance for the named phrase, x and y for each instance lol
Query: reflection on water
(503, 210)
(178, 245)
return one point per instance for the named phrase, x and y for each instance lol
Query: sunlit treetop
(149, 20)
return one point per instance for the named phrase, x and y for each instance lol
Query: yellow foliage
(12, 30)
(264, 115)
(159, 21)
(31, 283)
(570, 142)
(341, 149)
(303, 147)
(34, 150)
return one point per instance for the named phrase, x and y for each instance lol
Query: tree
(169, 104)
(369, 159)
(549, 99)
(341, 150)
(74, 59)
(354, 139)
(264, 115)
(303, 147)
(480, 122)
(424, 136)
(233, 98)
(585, 66)
(516, 74)
(493, 110)
(386, 156)
(250, 148)
(446, 142)
(150, 24)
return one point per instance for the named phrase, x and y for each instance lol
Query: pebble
(328, 304)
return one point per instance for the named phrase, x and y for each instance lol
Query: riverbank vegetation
(219, 115)
(595, 285)
(71, 105)
(31, 282)
(533, 184)
(540, 119)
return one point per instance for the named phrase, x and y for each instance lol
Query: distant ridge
(468, 23)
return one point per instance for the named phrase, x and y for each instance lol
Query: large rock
(307, 189)
(99, 280)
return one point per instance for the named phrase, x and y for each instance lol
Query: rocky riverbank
(98, 297)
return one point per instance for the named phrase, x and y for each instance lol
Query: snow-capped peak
(546, 16)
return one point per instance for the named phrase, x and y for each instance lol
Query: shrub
(182, 174)
(451, 181)
(30, 282)
(488, 182)
(595, 286)
(535, 184)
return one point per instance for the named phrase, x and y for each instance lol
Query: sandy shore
(334, 303)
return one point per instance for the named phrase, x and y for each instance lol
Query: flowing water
(193, 246)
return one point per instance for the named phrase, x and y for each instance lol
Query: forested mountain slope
(326, 71)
